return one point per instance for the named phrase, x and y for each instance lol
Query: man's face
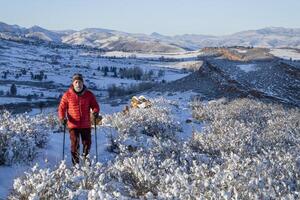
(78, 85)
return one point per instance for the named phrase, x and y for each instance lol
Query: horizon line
(109, 29)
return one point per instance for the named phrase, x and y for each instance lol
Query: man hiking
(74, 110)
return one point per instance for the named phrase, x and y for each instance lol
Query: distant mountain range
(271, 37)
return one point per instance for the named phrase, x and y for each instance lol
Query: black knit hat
(77, 77)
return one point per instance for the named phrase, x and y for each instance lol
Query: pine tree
(13, 90)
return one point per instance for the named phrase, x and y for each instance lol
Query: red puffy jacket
(78, 108)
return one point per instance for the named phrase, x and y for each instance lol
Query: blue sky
(169, 17)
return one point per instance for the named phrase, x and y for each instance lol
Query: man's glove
(63, 122)
(97, 118)
(96, 115)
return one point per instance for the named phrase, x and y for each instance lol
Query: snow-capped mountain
(115, 40)
(34, 32)
(5, 28)
(272, 37)
(43, 34)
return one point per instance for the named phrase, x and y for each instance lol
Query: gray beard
(78, 89)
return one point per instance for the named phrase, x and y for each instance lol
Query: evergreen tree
(13, 90)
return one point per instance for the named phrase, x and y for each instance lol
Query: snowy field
(46, 71)
(51, 155)
(19, 65)
(241, 51)
(286, 54)
(183, 55)
(213, 149)
(25, 90)
(179, 147)
(248, 67)
(5, 100)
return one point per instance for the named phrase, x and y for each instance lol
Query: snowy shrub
(168, 170)
(151, 121)
(138, 127)
(258, 145)
(263, 163)
(130, 176)
(62, 183)
(246, 126)
(21, 136)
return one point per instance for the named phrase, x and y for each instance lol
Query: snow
(51, 155)
(186, 64)
(7, 175)
(248, 67)
(183, 124)
(182, 112)
(181, 168)
(189, 54)
(241, 51)
(24, 90)
(286, 53)
(33, 60)
(5, 100)
(8, 100)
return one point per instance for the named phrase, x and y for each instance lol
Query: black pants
(75, 134)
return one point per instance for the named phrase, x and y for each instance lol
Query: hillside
(112, 40)
(176, 148)
(271, 80)
(215, 123)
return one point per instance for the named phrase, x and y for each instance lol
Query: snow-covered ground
(241, 51)
(211, 153)
(22, 64)
(5, 100)
(247, 67)
(182, 111)
(51, 155)
(25, 90)
(8, 100)
(182, 55)
(59, 64)
(286, 53)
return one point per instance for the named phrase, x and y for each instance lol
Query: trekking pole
(64, 142)
(95, 121)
